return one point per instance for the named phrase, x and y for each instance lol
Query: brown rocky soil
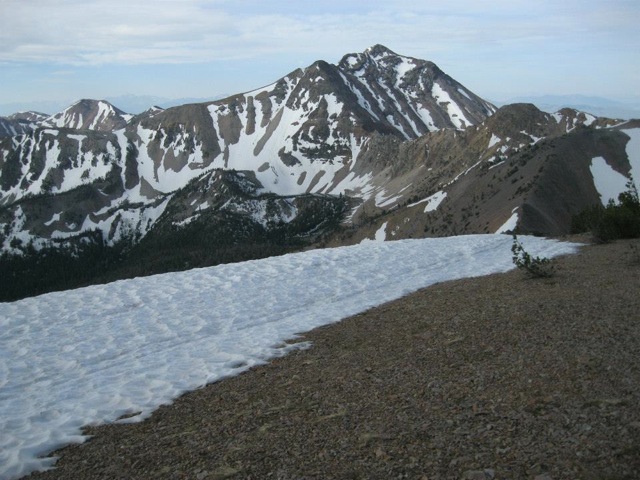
(495, 377)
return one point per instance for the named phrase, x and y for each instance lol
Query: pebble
(486, 474)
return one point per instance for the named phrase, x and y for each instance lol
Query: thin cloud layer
(134, 32)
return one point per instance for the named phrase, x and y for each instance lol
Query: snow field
(92, 355)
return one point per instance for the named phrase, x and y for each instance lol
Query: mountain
(89, 115)
(20, 123)
(300, 135)
(136, 104)
(378, 146)
(521, 169)
(31, 117)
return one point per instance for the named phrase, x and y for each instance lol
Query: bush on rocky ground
(535, 266)
(615, 221)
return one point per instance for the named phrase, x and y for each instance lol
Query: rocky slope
(521, 168)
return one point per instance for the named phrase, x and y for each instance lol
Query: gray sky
(63, 50)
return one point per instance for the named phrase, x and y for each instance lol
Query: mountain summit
(428, 98)
(89, 114)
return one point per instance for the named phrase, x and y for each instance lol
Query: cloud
(102, 32)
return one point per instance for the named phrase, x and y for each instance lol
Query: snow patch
(462, 92)
(402, 68)
(510, 224)
(607, 181)
(381, 233)
(533, 138)
(54, 218)
(493, 141)
(432, 202)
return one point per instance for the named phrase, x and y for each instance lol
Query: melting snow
(589, 119)
(383, 201)
(461, 91)
(78, 138)
(104, 111)
(352, 61)
(510, 224)
(533, 138)
(92, 355)
(402, 68)
(380, 235)
(434, 201)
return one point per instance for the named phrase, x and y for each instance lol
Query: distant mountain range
(133, 104)
(599, 106)
(380, 146)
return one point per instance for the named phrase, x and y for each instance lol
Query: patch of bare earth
(494, 377)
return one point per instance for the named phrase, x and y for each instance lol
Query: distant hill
(599, 106)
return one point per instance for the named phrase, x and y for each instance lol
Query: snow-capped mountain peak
(89, 114)
(426, 98)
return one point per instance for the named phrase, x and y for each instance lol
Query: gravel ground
(495, 377)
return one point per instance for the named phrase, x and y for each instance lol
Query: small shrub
(534, 266)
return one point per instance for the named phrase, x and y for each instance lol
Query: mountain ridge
(379, 145)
